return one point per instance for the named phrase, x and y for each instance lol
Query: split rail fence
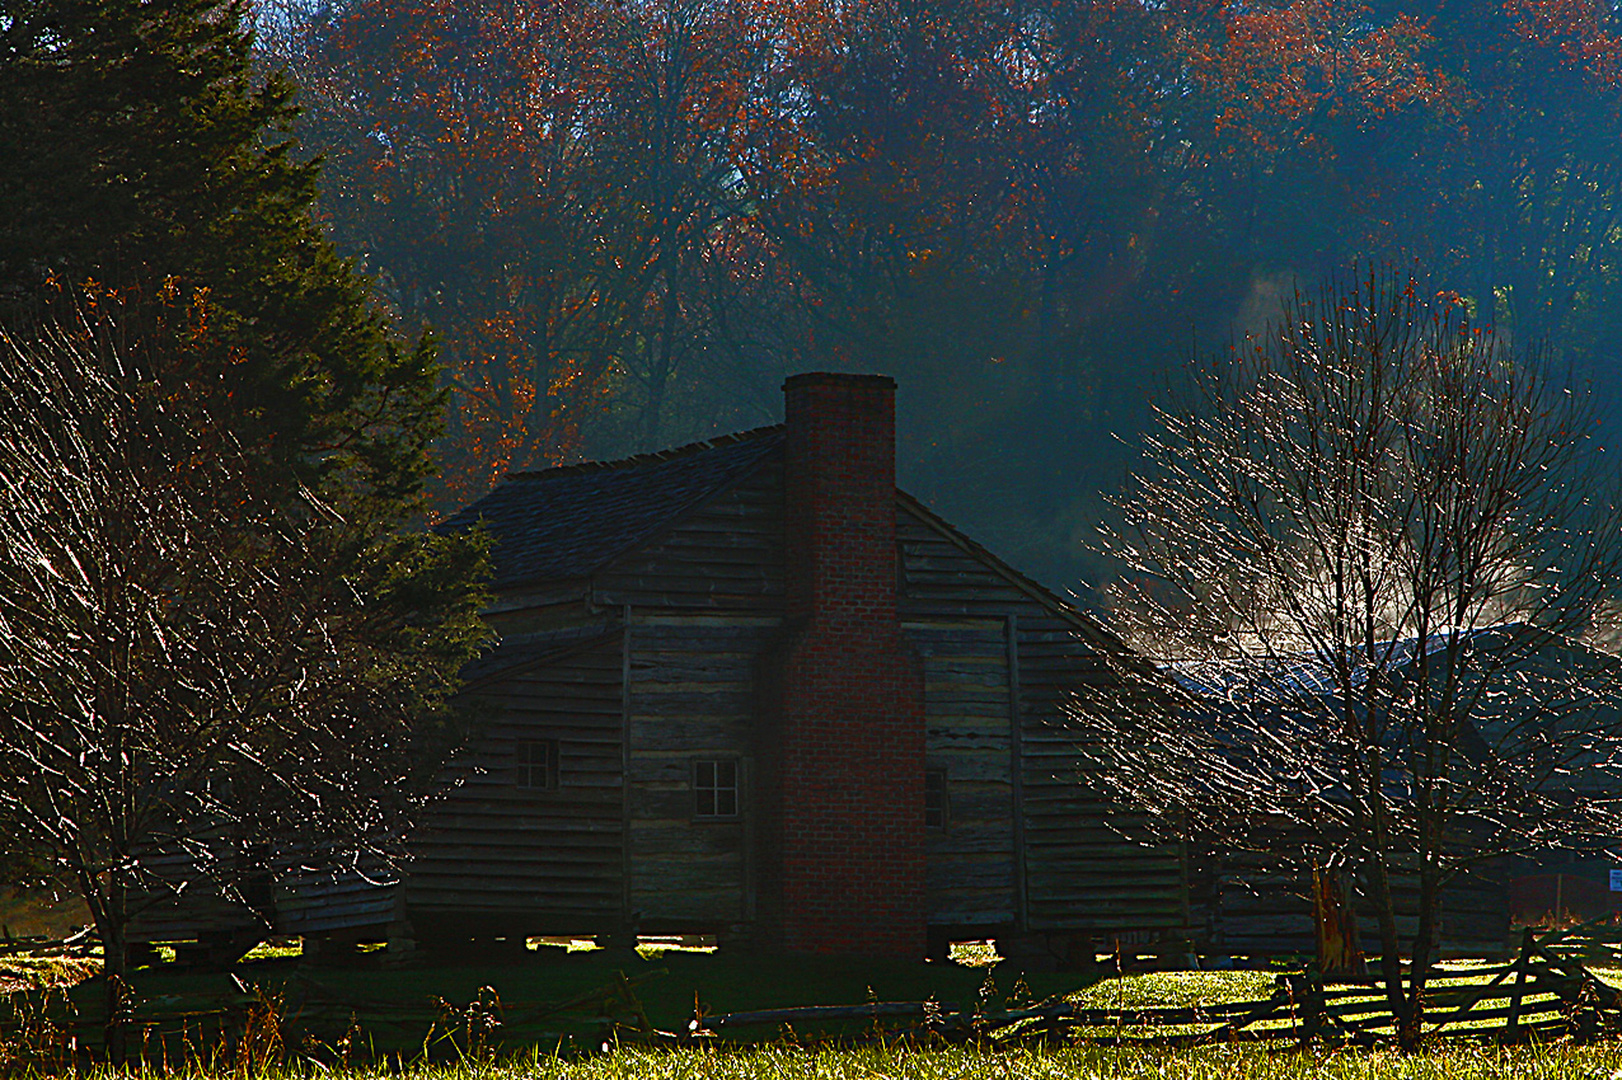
(1547, 990)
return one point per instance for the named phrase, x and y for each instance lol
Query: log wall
(693, 696)
(727, 555)
(703, 603)
(969, 870)
(1261, 909)
(1088, 863)
(523, 860)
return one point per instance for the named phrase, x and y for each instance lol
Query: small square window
(538, 765)
(715, 789)
(935, 802)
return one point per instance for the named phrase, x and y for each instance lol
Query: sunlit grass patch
(274, 949)
(1454, 1062)
(1177, 988)
(974, 953)
(46, 972)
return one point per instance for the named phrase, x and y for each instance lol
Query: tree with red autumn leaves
(626, 222)
(578, 166)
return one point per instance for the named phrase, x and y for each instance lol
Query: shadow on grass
(505, 1007)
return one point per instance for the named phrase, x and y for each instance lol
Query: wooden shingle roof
(566, 522)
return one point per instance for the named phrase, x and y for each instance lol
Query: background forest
(626, 220)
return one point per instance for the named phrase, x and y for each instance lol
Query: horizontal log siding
(315, 902)
(970, 866)
(1089, 865)
(540, 611)
(535, 861)
(693, 695)
(297, 898)
(705, 600)
(1260, 911)
(196, 911)
(727, 555)
(1090, 862)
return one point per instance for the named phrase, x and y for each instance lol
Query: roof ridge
(650, 458)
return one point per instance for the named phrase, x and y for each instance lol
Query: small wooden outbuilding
(1260, 901)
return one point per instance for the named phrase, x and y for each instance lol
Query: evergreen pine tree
(155, 220)
(137, 144)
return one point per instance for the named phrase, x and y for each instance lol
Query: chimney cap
(838, 378)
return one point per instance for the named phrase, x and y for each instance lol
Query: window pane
(935, 799)
(536, 764)
(715, 788)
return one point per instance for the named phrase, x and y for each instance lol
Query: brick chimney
(846, 858)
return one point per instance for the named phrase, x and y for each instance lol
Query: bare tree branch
(1373, 542)
(206, 676)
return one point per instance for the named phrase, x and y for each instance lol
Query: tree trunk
(108, 904)
(1403, 1016)
(659, 373)
(115, 970)
(1409, 1024)
(1425, 942)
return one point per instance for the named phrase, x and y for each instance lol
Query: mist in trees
(628, 221)
(1372, 540)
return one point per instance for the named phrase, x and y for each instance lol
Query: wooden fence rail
(1545, 990)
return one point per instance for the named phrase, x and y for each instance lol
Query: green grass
(397, 1008)
(1196, 988)
(1035, 1063)
(23, 972)
(1089, 1063)
(1178, 988)
(727, 981)
(265, 950)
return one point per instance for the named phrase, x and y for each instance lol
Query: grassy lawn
(395, 1009)
(1081, 1063)
(388, 1012)
(1174, 988)
(1084, 1063)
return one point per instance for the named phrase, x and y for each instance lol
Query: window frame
(715, 787)
(936, 781)
(525, 765)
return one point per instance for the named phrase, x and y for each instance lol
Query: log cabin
(748, 688)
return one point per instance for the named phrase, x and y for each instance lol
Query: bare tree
(1378, 538)
(196, 671)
